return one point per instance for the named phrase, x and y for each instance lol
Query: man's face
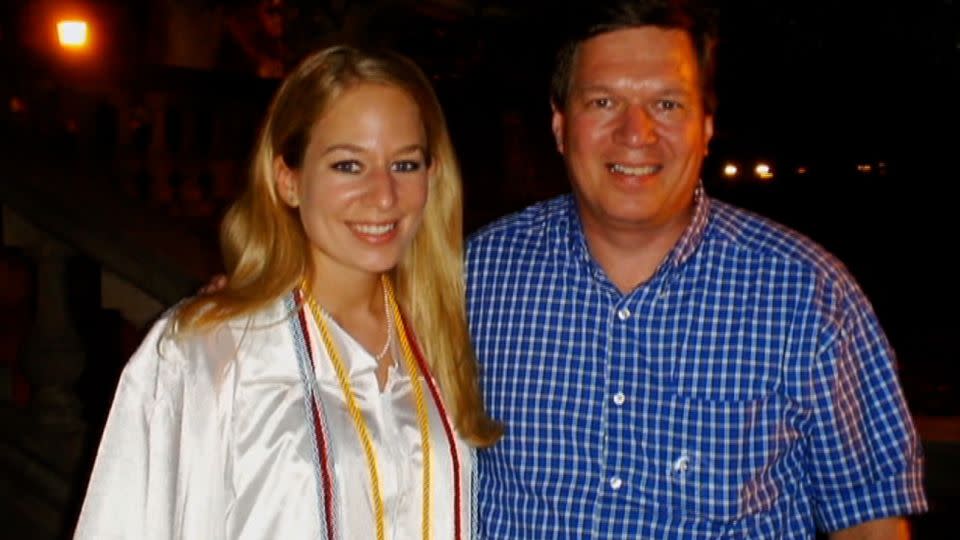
(634, 131)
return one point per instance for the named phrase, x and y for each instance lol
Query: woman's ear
(433, 166)
(288, 184)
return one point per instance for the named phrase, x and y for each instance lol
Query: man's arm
(866, 458)
(895, 528)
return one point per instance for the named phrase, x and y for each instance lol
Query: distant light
(865, 168)
(801, 170)
(730, 170)
(17, 105)
(763, 171)
(72, 34)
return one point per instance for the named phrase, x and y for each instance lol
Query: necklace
(414, 371)
(386, 315)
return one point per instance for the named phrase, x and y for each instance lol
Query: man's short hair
(591, 18)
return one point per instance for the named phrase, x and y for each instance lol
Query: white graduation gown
(208, 438)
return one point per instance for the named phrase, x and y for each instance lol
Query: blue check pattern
(745, 391)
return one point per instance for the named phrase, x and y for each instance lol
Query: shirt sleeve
(132, 489)
(865, 455)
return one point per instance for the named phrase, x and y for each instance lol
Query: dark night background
(826, 86)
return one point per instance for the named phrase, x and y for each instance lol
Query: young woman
(329, 391)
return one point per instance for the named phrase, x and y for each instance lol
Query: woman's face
(363, 184)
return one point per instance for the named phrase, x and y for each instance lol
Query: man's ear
(707, 132)
(557, 122)
(288, 182)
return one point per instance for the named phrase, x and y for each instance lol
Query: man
(669, 366)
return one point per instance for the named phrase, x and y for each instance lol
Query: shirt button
(616, 483)
(623, 314)
(681, 464)
(619, 398)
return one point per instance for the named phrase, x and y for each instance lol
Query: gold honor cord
(414, 371)
(357, 416)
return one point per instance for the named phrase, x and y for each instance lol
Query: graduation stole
(416, 367)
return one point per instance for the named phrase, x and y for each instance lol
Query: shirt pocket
(716, 459)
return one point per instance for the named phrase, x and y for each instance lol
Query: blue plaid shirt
(744, 391)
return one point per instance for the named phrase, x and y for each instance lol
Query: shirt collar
(685, 247)
(577, 241)
(690, 239)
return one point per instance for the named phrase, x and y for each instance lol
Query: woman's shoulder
(170, 353)
(267, 318)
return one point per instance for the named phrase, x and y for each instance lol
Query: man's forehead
(636, 52)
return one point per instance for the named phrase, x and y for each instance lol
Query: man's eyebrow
(668, 88)
(592, 88)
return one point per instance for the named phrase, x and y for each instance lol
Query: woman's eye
(349, 166)
(407, 165)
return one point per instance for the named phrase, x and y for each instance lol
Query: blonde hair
(265, 249)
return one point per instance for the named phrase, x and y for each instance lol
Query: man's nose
(636, 127)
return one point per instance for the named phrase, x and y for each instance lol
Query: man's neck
(630, 256)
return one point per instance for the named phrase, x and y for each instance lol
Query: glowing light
(730, 170)
(72, 34)
(801, 170)
(865, 168)
(763, 171)
(17, 105)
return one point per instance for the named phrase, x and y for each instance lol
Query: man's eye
(407, 166)
(601, 103)
(669, 105)
(350, 166)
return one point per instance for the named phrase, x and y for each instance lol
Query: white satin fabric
(208, 439)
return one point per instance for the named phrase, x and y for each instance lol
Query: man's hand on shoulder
(216, 284)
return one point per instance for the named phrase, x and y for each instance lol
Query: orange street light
(763, 171)
(72, 34)
(730, 170)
